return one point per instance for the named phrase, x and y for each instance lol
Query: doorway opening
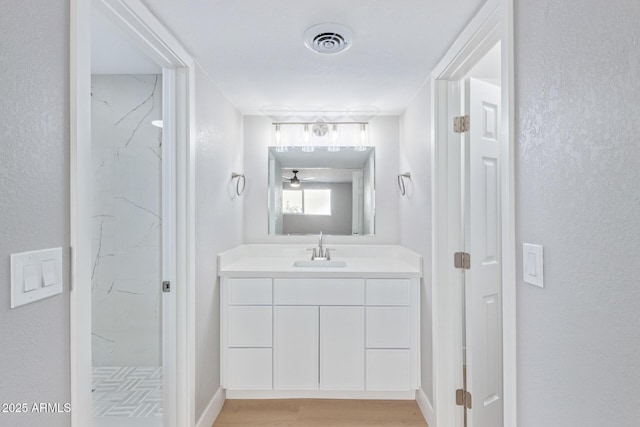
(128, 239)
(132, 346)
(474, 299)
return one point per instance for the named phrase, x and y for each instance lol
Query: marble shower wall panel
(126, 151)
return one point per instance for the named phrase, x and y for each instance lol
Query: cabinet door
(249, 369)
(388, 327)
(295, 348)
(342, 348)
(388, 370)
(249, 326)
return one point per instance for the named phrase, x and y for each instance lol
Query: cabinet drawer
(319, 291)
(253, 291)
(249, 326)
(388, 291)
(250, 369)
(387, 327)
(388, 370)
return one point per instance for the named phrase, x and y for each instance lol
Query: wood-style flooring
(320, 413)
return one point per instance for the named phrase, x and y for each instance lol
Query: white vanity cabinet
(392, 321)
(320, 334)
(247, 333)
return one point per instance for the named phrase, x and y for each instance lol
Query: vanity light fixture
(277, 136)
(320, 129)
(360, 146)
(306, 134)
(157, 123)
(334, 139)
(306, 146)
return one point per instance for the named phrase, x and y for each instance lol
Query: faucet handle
(327, 254)
(313, 254)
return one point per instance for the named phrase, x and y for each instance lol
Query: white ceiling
(254, 50)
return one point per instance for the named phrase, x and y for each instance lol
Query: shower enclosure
(127, 250)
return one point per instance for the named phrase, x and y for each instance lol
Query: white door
(483, 280)
(295, 348)
(342, 348)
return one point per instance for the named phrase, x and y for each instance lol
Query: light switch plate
(532, 265)
(35, 275)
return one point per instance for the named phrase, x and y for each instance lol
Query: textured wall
(218, 222)
(578, 178)
(126, 220)
(383, 134)
(34, 207)
(415, 212)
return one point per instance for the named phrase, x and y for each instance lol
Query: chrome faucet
(320, 253)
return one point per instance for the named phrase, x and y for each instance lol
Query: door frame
(493, 23)
(178, 133)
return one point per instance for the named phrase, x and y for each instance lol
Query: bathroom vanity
(292, 327)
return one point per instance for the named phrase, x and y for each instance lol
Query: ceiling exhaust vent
(328, 38)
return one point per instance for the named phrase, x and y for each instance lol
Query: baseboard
(320, 394)
(426, 408)
(213, 409)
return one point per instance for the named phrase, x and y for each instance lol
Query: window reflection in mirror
(332, 192)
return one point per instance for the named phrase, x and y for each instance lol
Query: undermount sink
(320, 263)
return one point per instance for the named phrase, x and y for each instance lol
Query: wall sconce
(239, 177)
(401, 185)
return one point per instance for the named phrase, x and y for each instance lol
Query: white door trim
(494, 22)
(178, 71)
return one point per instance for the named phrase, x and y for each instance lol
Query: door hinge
(462, 260)
(463, 398)
(166, 286)
(461, 124)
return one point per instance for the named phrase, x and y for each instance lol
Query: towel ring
(239, 177)
(401, 186)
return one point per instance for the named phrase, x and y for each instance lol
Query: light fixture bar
(312, 123)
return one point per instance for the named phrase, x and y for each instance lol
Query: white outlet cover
(35, 275)
(532, 264)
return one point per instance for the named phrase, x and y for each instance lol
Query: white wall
(383, 134)
(578, 194)
(34, 207)
(218, 221)
(415, 212)
(126, 220)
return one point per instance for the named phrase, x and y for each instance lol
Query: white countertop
(381, 261)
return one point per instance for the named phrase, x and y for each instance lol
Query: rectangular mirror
(322, 189)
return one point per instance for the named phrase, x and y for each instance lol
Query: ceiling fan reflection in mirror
(294, 181)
